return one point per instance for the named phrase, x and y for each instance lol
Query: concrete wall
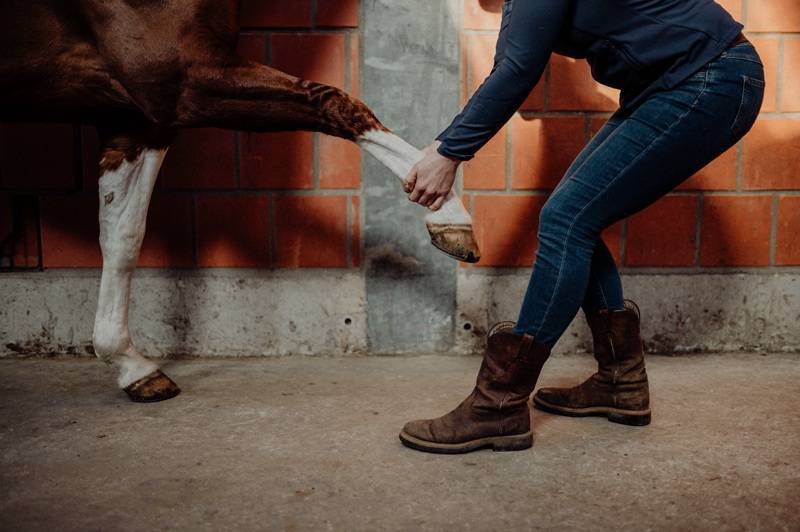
(296, 244)
(209, 312)
(326, 312)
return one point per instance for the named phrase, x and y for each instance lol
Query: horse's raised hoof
(152, 388)
(455, 240)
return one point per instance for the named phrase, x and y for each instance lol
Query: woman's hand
(431, 179)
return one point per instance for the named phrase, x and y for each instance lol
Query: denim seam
(603, 191)
(742, 58)
(600, 287)
(579, 168)
(741, 104)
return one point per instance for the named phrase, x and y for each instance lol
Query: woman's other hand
(431, 179)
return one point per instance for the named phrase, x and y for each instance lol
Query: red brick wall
(743, 210)
(224, 199)
(228, 199)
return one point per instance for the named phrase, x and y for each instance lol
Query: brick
(487, 171)
(37, 157)
(354, 87)
(543, 149)
(71, 231)
(232, 232)
(768, 49)
(199, 159)
(773, 15)
(480, 53)
(168, 241)
(311, 231)
(276, 13)
(573, 89)
(771, 158)
(788, 243)
(337, 13)
(505, 227)
(482, 14)
(253, 46)
(6, 216)
(720, 174)
(317, 57)
(481, 48)
(19, 231)
(790, 99)
(664, 234)
(339, 163)
(734, 7)
(277, 160)
(736, 231)
(90, 145)
(355, 238)
(535, 100)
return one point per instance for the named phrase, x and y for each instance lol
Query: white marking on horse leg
(124, 198)
(399, 156)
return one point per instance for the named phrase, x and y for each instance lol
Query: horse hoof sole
(455, 240)
(152, 389)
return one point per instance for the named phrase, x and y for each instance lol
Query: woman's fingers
(411, 180)
(416, 194)
(428, 199)
(436, 205)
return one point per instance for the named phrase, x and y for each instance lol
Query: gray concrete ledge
(324, 312)
(206, 312)
(681, 312)
(311, 444)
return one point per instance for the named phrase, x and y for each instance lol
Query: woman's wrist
(442, 150)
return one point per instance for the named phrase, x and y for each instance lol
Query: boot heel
(627, 419)
(513, 443)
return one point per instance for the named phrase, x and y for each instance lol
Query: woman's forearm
(524, 48)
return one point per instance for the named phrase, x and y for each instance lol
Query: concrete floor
(311, 444)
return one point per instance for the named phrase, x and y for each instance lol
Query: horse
(139, 71)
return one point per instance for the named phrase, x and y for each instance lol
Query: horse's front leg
(253, 97)
(450, 227)
(129, 171)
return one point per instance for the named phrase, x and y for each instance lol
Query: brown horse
(140, 70)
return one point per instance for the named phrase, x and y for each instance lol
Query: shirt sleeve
(529, 32)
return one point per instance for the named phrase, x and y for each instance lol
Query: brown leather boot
(496, 414)
(619, 389)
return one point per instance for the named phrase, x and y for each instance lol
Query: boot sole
(517, 442)
(635, 418)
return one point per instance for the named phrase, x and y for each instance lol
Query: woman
(692, 86)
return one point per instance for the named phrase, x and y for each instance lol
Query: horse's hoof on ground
(152, 388)
(455, 240)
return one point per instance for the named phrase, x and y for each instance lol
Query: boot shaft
(511, 366)
(618, 346)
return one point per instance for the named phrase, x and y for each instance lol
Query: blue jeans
(634, 160)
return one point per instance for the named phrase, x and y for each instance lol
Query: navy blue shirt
(637, 46)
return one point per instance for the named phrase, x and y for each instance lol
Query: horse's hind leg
(129, 166)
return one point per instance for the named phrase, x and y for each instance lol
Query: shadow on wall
(223, 199)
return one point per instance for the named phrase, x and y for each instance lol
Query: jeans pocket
(752, 98)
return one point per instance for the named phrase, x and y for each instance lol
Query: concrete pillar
(411, 48)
